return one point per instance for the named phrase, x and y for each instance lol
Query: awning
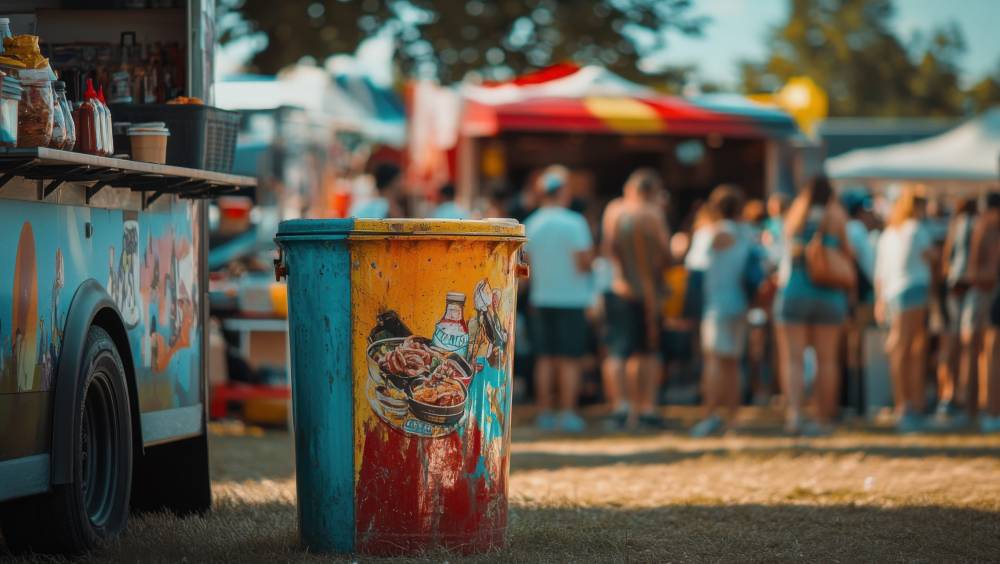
(661, 115)
(594, 100)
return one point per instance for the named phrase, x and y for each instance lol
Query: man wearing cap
(560, 251)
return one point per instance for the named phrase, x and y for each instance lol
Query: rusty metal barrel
(401, 341)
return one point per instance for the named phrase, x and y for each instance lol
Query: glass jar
(35, 114)
(67, 113)
(58, 138)
(10, 98)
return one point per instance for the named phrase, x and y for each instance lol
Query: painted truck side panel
(146, 261)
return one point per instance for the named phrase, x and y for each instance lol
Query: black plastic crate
(201, 137)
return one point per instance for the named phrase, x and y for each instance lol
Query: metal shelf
(154, 180)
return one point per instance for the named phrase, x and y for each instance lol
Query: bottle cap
(100, 95)
(90, 93)
(455, 297)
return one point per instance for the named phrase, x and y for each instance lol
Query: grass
(860, 494)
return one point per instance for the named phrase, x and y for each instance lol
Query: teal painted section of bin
(322, 383)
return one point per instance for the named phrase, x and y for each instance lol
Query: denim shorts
(910, 298)
(802, 302)
(724, 336)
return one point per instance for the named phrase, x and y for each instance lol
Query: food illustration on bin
(420, 385)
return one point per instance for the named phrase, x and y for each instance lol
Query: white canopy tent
(966, 157)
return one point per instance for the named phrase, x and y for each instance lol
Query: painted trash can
(401, 342)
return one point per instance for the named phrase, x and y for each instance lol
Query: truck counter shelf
(54, 168)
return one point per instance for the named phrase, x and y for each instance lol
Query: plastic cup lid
(150, 125)
(148, 132)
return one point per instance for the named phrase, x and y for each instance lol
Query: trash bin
(401, 340)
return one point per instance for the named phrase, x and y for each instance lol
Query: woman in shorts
(902, 294)
(724, 317)
(808, 315)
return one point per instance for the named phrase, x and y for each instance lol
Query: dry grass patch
(858, 495)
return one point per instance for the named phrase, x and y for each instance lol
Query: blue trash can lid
(300, 229)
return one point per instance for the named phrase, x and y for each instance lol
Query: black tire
(76, 517)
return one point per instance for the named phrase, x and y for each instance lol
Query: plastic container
(58, 139)
(107, 126)
(35, 114)
(4, 31)
(402, 446)
(149, 142)
(67, 112)
(201, 137)
(10, 98)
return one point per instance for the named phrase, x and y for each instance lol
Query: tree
(985, 94)
(448, 39)
(850, 50)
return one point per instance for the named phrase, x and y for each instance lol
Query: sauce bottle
(88, 123)
(451, 333)
(109, 139)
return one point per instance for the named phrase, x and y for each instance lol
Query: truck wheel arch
(91, 305)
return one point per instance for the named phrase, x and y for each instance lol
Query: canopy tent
(348, 101)
(594, 100)
(967, 154)
(569, 99)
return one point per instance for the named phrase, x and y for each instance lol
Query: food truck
(102, 290)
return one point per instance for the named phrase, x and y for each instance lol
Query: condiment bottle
(451, 333)
(88, 123)
(63, 103)
(109, 138)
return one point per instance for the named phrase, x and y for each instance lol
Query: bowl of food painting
(417, 387)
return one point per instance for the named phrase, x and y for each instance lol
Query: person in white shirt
(902, 294)
(560, 251)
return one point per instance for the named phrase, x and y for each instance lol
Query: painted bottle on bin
(452, 333)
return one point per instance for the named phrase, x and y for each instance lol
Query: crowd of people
(795, 284)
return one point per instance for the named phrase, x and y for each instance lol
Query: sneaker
(570, 422)
(546, 421)
(617, 421)
(652, 421)
(909, 423)
(707, 426)
(988, 424)
(814, 429)
(945, 411)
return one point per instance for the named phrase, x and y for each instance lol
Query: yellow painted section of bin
(397, 274)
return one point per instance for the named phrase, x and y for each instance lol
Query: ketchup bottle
(88, 123)
(109, 138)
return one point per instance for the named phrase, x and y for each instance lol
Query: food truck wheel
(75, 517)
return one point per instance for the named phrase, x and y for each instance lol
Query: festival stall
(595, 121)
(964, 159)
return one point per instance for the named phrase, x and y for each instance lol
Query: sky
(739, 28)
(738, 31)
